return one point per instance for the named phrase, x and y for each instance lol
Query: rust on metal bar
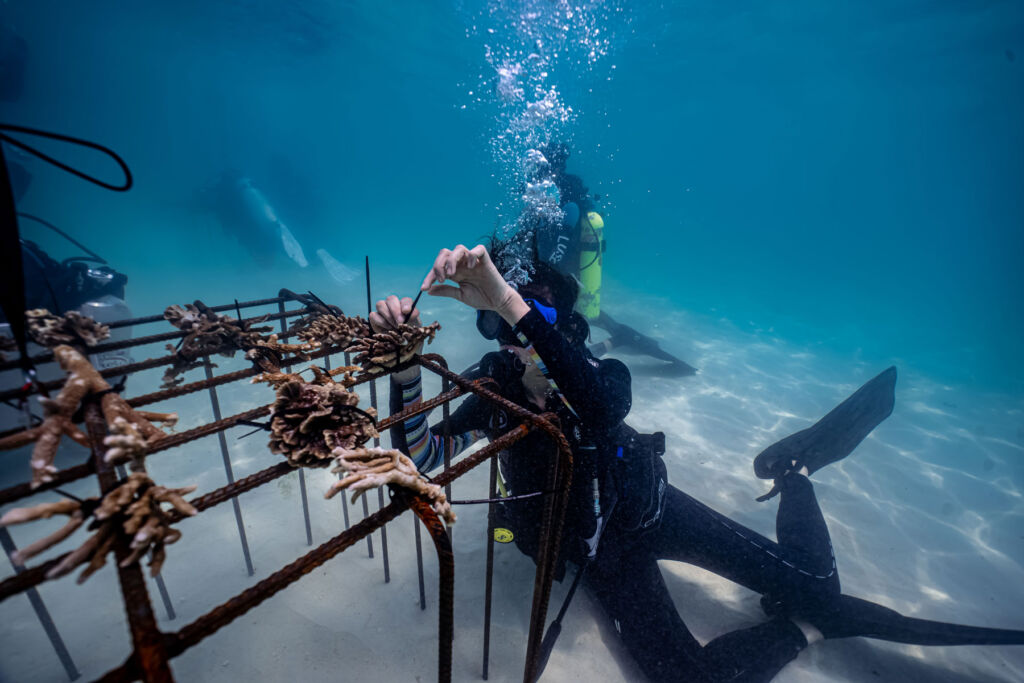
(446, 587)
(398, 418)
(19, 491)
(152, 648)
(221, 616)
(553, 514)
(146, 637)
(47, 356)
(224, 307)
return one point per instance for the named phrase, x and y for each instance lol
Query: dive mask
(493, 326)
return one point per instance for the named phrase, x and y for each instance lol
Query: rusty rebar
(446, 586)
(552, 515)
(152, 648)
(224, 614)
(19, 491)
(146, 637)
(119, 370)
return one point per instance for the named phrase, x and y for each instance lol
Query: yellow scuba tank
(591, 259)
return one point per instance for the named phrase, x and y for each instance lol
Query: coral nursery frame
(152, 649)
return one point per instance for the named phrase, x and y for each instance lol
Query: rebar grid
(152, 649)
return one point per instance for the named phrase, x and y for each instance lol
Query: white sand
(925, 518)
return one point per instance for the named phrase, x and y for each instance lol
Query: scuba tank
(592, 246)
(106, 309)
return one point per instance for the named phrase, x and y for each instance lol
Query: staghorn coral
(368, 468)
(49, 330)
(310, 419)
(379, 352)
(82, 380)
(134, 509)
(268, 354)
(71, 508)
(207, 333)
(333, 330)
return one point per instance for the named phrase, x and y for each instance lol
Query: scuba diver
(575, 246)
(622, 515)
(245, 212)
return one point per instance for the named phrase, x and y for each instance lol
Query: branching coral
(369, 468)
(268, 354)
(135, 509)
(378, 352)
(207, 333)
(49, 330)
(334, 330)
(82, 380)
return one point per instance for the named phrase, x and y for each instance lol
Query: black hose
(75, 141)
(69, 238)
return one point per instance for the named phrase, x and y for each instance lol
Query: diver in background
(576, 247)
(622, 515)
(245, 212)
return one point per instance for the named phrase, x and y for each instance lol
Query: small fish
(338, 271)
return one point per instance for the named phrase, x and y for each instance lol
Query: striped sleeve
(426, 449)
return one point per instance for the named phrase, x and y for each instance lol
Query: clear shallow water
(794, 197)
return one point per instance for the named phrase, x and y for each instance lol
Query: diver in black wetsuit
(575, 246)
(637, 518)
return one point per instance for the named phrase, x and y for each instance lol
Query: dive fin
(856, 617)
(624, 336)
(338, 271)
(834, 436)
(292, 246)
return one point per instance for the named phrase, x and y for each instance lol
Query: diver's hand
(392, 312)
(480, 285)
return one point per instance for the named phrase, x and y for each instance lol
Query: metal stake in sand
(416, 526)
(376, 443)
(45, 620)
(302, 474)
(229, 473)
(344, 500)
(492, 489)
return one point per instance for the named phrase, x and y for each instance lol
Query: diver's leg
(800, 526)
(632, 592)
(799, 568)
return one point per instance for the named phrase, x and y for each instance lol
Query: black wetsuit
(624, 576)
(797, 575)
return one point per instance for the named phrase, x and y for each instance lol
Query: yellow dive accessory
(591, 260)
(502, 535)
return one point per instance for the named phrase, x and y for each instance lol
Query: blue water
(796, 195)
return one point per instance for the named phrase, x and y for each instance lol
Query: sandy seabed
(926, 517)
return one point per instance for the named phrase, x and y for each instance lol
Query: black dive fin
(834, 436)
(855, 617)
(624, 336)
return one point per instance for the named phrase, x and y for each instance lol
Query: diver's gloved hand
(392, 312)
(480, 285)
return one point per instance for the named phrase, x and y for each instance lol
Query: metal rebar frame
(152, 649)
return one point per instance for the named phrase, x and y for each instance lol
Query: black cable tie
(506, 499)
(69, 495)
(252, 423)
